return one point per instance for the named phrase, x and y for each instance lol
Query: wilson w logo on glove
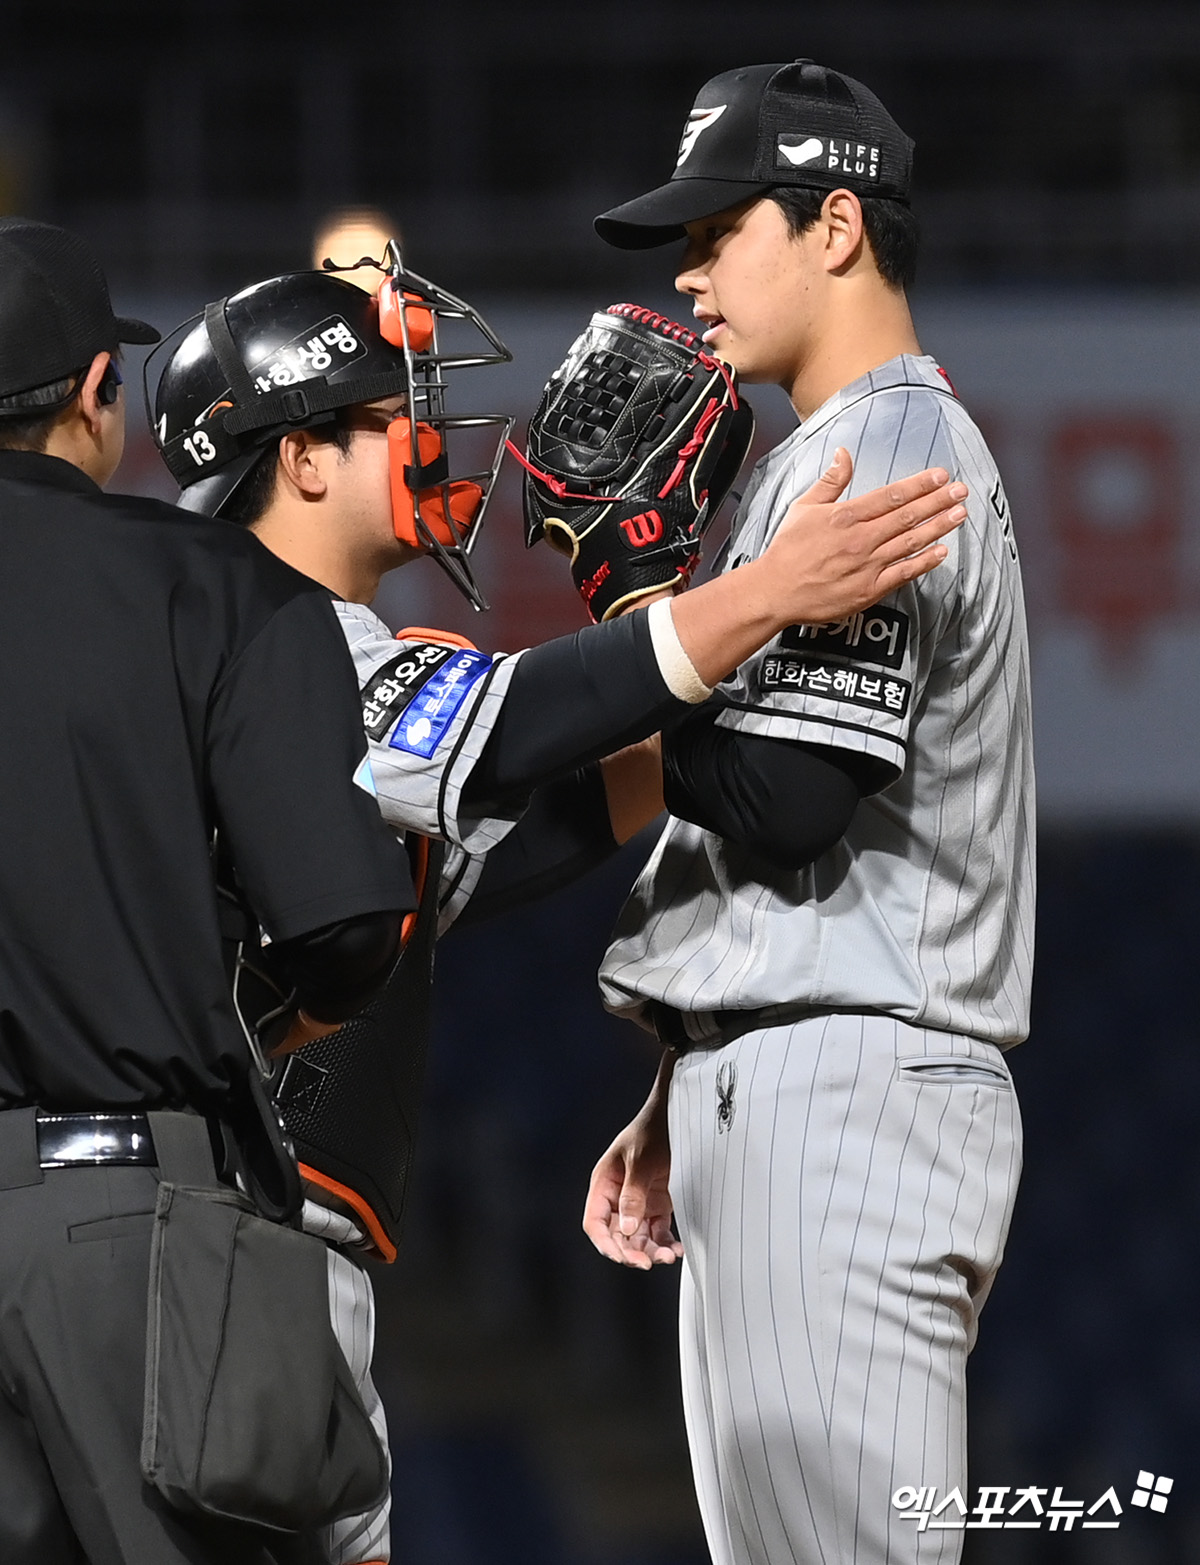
(643, 530)
(638, 437)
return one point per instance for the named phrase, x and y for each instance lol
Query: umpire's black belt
(90, 1140)
(33, 1143)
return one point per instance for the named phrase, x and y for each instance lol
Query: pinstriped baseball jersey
(419, 787)
(428, 709)
(924, 909)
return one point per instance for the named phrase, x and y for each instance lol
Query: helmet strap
(241, 385)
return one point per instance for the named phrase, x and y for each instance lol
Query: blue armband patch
(431, 711)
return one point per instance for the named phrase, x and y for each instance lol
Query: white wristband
(676, 667)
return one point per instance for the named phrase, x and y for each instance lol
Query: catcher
(315, 414)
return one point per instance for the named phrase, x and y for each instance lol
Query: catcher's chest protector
(350, 1100)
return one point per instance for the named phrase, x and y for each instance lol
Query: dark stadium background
(531, 1386)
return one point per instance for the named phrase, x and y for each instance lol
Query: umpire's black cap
(765, 125)
(55, 312)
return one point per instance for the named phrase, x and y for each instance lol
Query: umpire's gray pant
(74, 1272)
(843, 1188)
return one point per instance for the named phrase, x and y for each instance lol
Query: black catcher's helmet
(287, 353)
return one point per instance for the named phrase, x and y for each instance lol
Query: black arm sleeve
(788, 802)
(338, 968)
(565, 832)
(571, 701)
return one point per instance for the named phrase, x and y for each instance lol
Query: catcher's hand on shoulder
(638, 437)
(832, 557)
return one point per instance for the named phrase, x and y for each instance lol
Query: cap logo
(697, 121)
(812, 147)
(834, 154)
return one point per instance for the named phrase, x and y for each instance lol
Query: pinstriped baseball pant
(843, 1187)
(356, 1540)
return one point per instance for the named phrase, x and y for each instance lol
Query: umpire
(163, 678)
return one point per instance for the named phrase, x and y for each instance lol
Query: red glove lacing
(686, 452)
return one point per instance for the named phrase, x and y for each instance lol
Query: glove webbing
(557, 486)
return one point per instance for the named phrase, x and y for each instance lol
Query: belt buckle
(94, 1140)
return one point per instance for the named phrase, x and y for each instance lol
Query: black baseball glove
(638, 437)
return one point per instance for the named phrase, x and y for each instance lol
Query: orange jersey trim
(356, 1203)
(422, 875)
(443, 638)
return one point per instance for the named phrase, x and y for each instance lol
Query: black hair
(256, 491)
(890, 227)
(27, 417)
(34, 413)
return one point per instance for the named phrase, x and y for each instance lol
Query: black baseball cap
(760, 126)
(55, 312)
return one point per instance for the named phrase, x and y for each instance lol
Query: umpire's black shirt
(159, 674)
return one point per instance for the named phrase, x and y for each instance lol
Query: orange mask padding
(465, 497)
(420, 321)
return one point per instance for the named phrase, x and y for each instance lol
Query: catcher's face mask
(430, 508)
